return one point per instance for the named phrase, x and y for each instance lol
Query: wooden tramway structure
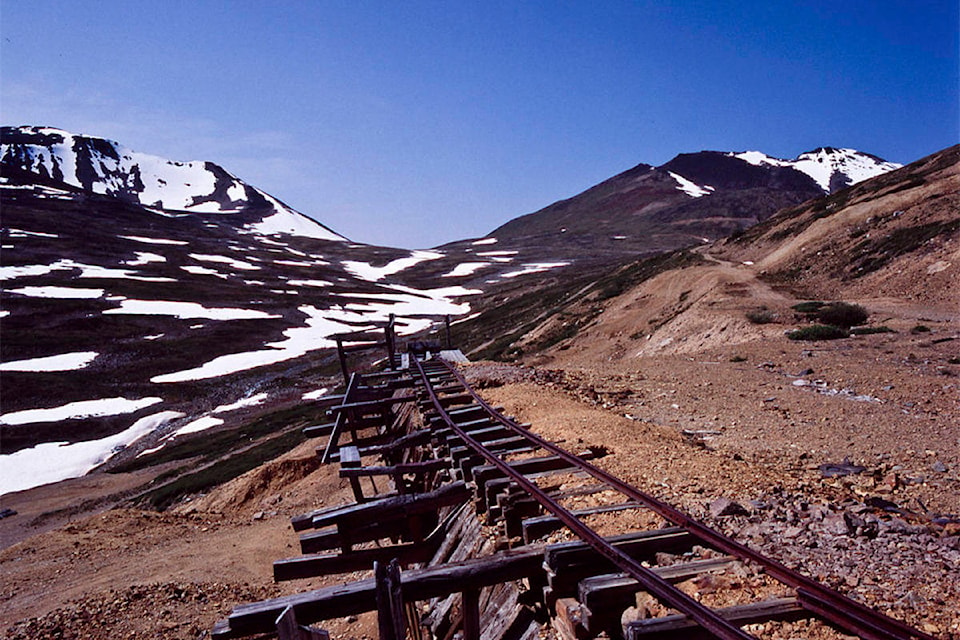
(440, 446)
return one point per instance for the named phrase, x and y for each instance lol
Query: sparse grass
(761, 316)
(818, 332)
(222, 471)
(210, 445)
(863, 331)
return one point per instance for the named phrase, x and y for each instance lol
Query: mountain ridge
(98, 165)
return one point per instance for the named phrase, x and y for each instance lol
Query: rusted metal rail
(816, 598)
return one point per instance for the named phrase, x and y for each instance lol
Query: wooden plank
(679, 626)
(570, 563)
(289, 629)
(416, 584)
(426, 466)
(319, 430)
(394, 507)
(605, 597)
(568, 620)
(324, 564)
(372, 404)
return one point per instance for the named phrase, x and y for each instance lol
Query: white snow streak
(64, 293)
(465, 269)
(184, 310)
(62, 362)
(690, 188)
(154, 240)
(366, 271)
(81, 409)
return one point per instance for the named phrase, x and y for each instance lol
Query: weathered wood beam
(324, 564)
(289, 629)
(605, 597)
(371, 404)
(426, 466)
(679, 626)
(423, 584)
(393, 506)
(390, 620)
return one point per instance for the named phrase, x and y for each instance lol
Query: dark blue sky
(417, 123)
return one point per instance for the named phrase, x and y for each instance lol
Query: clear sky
(411, 123)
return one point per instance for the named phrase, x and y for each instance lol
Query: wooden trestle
(458, 516)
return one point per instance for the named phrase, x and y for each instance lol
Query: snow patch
(56, 461)
(184, 310)
(62, 362)
(690, 188)
(63, 293)
(81, 409)
(465, 269)
(366, 271)
(154, 240)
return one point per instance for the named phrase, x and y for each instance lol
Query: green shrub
(818, 332)
(808, 307)
(842, 314)
(863, 331)
(760, 316)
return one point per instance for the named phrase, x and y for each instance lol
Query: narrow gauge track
(440, 381)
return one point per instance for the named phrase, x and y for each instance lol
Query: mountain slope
(694, 198)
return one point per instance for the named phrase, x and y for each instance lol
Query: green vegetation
(818, 332)
(863, 331)
(760, 316)
(842, 314)
(222, 470)
(810, 307)
(920, 328)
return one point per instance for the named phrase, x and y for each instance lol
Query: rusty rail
(820, 600)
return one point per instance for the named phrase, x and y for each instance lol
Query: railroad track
(535, 489)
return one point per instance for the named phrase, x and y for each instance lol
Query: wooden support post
(391, 342)
(289, 629)
(350, 459)
(449, 342)
(471, 614)
(343, 360)
(390, 610)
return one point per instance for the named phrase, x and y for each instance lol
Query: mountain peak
(47, 155)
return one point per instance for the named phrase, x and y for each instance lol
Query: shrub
(760, 316)
(738, 359)
(863, 331)
(842, 314)
(818, 332)
(920, 328)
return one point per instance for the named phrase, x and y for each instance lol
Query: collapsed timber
(486, 530)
